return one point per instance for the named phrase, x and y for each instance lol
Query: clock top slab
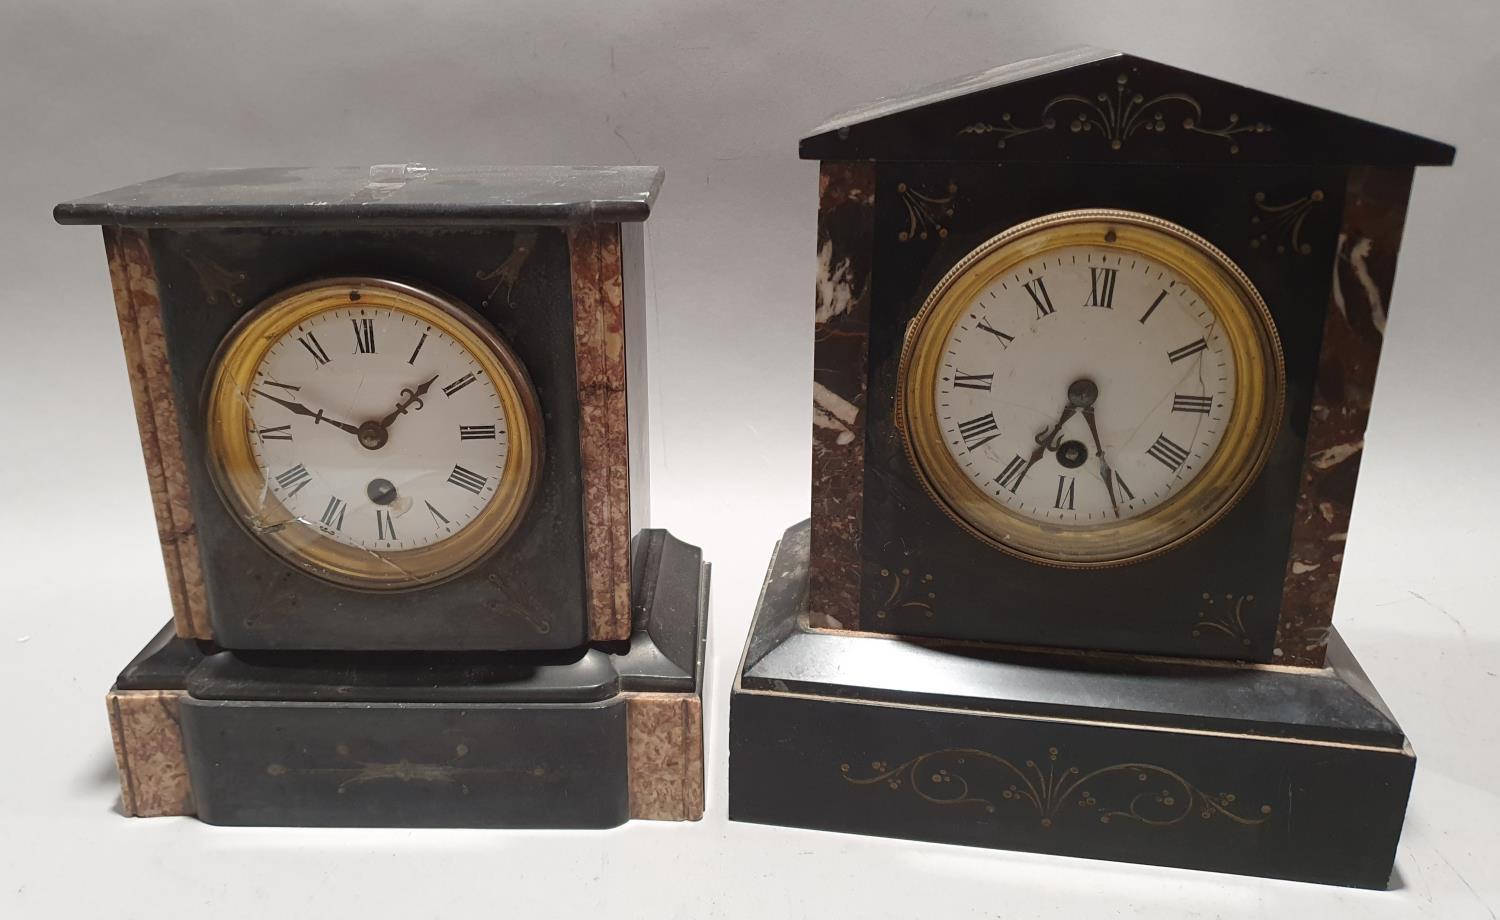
(404, 194)
(1093, 105)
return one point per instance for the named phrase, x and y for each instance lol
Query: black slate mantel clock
(394, 423)
(1095, 345)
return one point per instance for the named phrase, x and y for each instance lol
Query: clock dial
(1091, 388)
(1112, 380)
(415, 481)
(375, 434)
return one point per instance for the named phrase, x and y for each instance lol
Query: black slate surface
(1276, 772)
(665, 654)
(1332, 704)
(406, 194)
(1070, 106)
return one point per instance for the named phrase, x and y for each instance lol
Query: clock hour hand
(316, 415)
(1044, 439)
(410, 396)
(1081, 395)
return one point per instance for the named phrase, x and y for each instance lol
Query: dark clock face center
(381, 491)
(1072, 454)
(372, 435)
(1083, 392)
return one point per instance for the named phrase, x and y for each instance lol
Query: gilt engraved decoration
(506, 273)
(1115, 117)
(216, 281)
(448, 773)
(906, 592)
(1129, 792)
(502, 607)
(925, 213)
(1227, 619)
(1280, 225)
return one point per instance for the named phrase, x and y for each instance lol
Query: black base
(1276, 772)
(528, 739)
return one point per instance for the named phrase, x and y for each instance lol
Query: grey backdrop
(98, 94)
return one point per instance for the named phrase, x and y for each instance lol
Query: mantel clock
(394, 421)
(1095, 342)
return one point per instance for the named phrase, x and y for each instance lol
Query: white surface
(95, 95)
(1138, 368)
(332, 497)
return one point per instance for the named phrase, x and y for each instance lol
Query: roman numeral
(978, 432)
(314, 348)
(1005, 340)
(1187, 351)
(420, 342)
(276, 433)
(333, 515)
(1152, 309)
(437, 516)
(1010, 477)
(467, 479)
(973, 381)
(297, 476)
(1038, 291)
(1121, 487)
(1170, 453)
(458, 384)
(364, 335)
(1102, 287)
(385, 527)
(1064, 500)
(1182, 403)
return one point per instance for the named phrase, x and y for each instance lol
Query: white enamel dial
(377, 429)
(1086, 385)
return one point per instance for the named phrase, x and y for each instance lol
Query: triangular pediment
(1094, 105)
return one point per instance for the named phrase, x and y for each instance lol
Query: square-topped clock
(389, 408)
(394, 423)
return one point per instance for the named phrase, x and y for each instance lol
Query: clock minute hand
(1104, 469)
(316, 415)
(412, 396)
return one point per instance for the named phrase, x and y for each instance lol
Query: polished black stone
(404, 739)
(1253, 769)
(398, 194)
(664, 654)
(1096, 105)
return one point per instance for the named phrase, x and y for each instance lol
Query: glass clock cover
(375, 434)
(1091, 388)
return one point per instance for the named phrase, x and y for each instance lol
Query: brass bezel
(241, 482)
(1251, 429)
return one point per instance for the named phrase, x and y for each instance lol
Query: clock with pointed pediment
(1095, 341)
(1096, 394)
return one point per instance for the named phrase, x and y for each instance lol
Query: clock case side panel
(1363, 272)
(607, 262)
(528, 595)
(841, 328)
(132, 272)
(1217, 596)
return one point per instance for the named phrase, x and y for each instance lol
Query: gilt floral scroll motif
(1115, 117)
(1142, 793)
